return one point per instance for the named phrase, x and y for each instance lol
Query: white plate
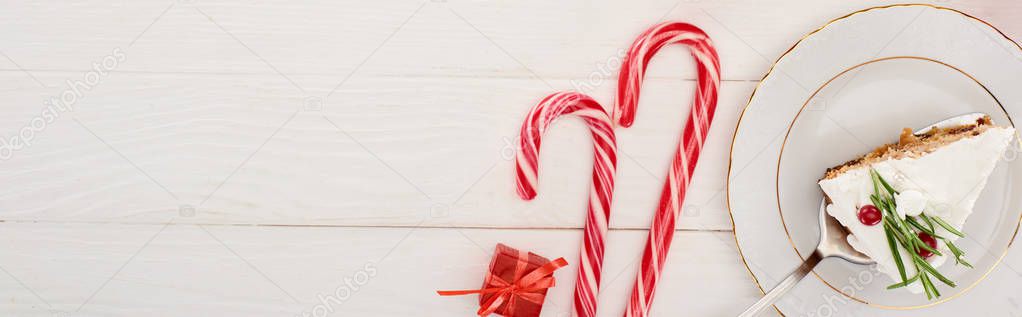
(842, 90)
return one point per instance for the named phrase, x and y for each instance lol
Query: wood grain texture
(445, 37)
(187, 270)
(391, 151)
(294, 143)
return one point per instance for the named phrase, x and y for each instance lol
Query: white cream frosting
(910, 203)
(944, 183)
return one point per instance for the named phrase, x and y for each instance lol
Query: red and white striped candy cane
(600, 194)
(673, 195)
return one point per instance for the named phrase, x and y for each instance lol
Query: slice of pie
(935, 176)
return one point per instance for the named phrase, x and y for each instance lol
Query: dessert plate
(842, 90)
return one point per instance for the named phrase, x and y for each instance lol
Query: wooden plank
(522, 39)
(187, 270)
(392, 151)
(435, 90)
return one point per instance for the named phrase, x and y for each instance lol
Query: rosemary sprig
(928, 287)
(904, 283)
(958, 253)
(928, 222)
(912, 221)
(897, 254)
(905, 233)
(883, 182)
(948, 227)
(929, 268)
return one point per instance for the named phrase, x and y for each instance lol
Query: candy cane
(600, 194)
(673, 195)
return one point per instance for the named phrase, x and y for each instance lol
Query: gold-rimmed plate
(843, 89)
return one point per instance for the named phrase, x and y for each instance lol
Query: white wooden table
(349, 158)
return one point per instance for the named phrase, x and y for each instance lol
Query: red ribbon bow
(525, 288)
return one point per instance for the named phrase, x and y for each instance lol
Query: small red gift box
(516, 283)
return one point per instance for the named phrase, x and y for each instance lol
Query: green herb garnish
(905, 233)
(947, 227)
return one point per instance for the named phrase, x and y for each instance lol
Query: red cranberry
(869, 215)
(930, 241)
